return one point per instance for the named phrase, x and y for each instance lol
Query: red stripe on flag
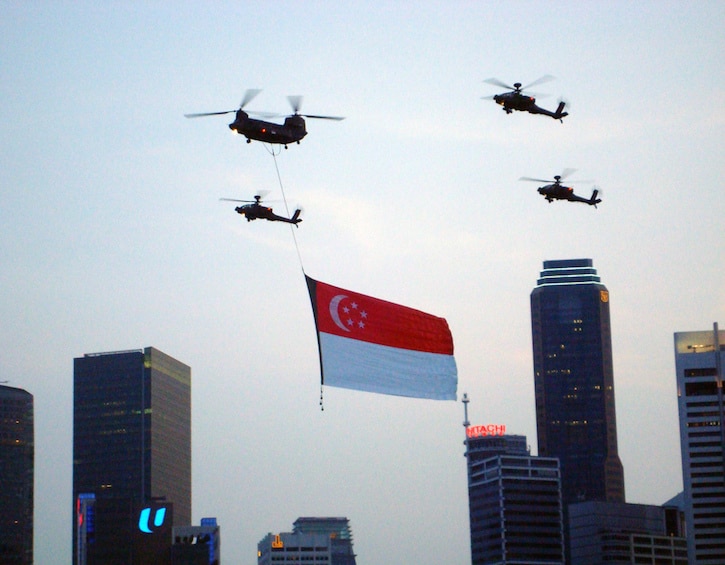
(356, 316)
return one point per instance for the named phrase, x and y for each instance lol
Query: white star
(363, 314)
(346, 309)
(354, 305)
(349, 322)
(361, 324)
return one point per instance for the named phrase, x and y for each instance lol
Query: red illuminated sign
(488, 430)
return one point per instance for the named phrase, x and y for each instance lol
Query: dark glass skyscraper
(17, 453)
(574, 383)
(131, 447)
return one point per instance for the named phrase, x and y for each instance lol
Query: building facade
(197, 545)
(574, 382)
(131, 452)
(610, 533)
(699, 359)
(17, 463)
(313, 541)
(514, 502)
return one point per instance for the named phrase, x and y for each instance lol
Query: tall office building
(514, 501)
(699, 360)
(131, 454)
(573, 378)
(17, 452)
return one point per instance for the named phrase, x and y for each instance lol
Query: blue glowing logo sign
(144, 519)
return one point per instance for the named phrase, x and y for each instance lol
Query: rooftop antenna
(465, 401)
(466, 423)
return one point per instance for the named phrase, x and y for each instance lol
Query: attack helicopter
(254, 209)
(557, 191)
(291, 131)
(517, 100)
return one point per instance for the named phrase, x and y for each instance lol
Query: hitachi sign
(488, 430)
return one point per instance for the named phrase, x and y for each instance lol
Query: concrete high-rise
(131, 451)
(699, 360)
(17, 455)
(514, 501)
(574, 382)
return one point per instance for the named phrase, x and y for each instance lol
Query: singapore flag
(376, 346)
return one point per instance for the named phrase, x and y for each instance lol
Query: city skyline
(112, 233)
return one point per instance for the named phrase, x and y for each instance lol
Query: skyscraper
(514, 502)
(699, 360)
(573, 379)
(131, 450)
(17, 453)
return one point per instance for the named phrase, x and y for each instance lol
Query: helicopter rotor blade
(203, 114)
(257, 197)
(249, 95)
(540, 80)
(497, 82)
(235, 200)
(322, 117)
(566, 172)
(296, 102)
(536, 180)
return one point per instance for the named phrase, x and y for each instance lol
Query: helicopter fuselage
(516, 101)
(291, 131)
(557, 191)
(254, 211)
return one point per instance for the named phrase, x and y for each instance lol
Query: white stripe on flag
(359, 365)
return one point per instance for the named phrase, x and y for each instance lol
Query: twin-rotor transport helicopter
(293, 130)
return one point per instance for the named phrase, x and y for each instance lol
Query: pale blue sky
(112, 235)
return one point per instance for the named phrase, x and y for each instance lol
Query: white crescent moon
(334, 305)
